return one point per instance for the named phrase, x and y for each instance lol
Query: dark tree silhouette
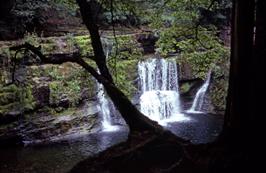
(238, 110)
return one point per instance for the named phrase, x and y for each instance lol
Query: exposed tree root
(149, 153)
(145, 152)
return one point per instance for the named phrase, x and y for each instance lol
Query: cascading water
(104, 109)
(200, 96)
(159, 86)
(104, 102)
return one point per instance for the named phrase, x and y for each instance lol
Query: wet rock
(64, 102)
(71, 122)
(84, 94)
(185, 71)
(20, 74)
(11, 116)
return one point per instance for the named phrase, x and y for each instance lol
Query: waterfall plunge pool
(62, 156)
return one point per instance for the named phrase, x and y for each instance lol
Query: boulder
(42, 95)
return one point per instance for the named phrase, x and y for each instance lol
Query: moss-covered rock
(6, 98)
(127, 74)
(16, 99)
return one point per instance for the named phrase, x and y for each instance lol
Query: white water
(159, 86)
(200, 96)
(104, 107)
(104, 110)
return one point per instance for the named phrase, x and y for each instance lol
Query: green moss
(13, 94)
(70, 84)
(32, 38)
(82, 43)
(69, 111)
(48, 48)
(54, 91)
(125, 75)
(6, 98)
(26, 98)
(10, 88)
(5, 52)
(9, 107)
(28, 101)
(218, 93)
(185, 87)
(34, 71)
(131, 47)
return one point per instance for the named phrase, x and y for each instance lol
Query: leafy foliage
(182, 30)
(123, 62)
(68, 81)
(70, 4)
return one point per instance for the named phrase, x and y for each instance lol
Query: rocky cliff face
(43, 17)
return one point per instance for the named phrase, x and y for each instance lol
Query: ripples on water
(57, 157)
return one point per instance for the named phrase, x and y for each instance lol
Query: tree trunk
(238, 109)
(259, 64)
(257, 126)
(87, 9)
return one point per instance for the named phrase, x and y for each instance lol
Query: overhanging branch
(60, 59)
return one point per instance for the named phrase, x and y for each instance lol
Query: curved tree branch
(59, 59)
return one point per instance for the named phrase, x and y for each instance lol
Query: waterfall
(104, 103)
(159, 87)
(200, 96)
(104, 109)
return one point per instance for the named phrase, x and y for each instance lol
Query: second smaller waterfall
(200, 96)
(105, 104)
(104, 108)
